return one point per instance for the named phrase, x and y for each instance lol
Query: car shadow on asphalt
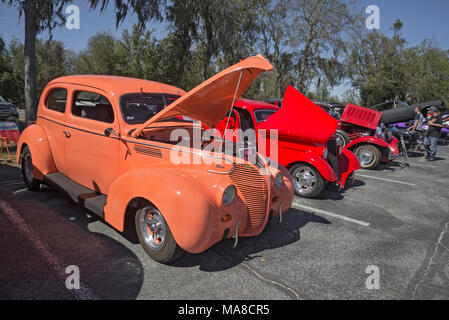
(391, 166)
(415, 154)
(223, 256)
(107, 267)
(333, 192)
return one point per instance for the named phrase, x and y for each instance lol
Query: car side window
(57, 100)
(262, 115)
(93, 106)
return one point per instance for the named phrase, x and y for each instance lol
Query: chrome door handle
(67, 134)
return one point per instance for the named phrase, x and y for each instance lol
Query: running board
(88, 198)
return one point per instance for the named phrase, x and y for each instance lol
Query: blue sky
(423, 19)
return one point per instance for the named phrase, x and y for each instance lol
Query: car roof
(255, 105)
(119, 85)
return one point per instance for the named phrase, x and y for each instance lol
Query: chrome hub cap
(305, 180)
(365, 156)
(152, 227)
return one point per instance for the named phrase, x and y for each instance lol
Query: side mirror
(109, 131)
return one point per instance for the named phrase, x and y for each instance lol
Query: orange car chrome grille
(148, 151)
(254, 189)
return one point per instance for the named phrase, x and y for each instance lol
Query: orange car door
(92, 158)
(52, 117)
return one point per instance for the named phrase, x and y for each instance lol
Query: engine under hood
(210, 101)
(300, 118)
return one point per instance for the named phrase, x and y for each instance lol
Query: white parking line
(84, 293)
(383, 179)
(20, 190)
(299, 206)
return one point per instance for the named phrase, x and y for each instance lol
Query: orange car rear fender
(35, 138)
(189, 209)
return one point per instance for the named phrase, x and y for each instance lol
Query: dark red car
(307, 145)
(361, 131)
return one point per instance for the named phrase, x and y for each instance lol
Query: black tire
(27, 170)
(318, 184)
(369, 156)
(343, 137)
(167, 250)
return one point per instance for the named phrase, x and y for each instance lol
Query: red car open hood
(211, 100)
(361, 116)
(300, 118)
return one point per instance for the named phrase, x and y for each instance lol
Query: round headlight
(229, 195)
(325, 153)
(278, 180)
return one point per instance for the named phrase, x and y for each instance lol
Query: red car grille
(254, 189)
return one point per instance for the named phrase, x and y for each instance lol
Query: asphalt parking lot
(392, 218)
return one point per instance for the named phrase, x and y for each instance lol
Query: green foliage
(52, 61)
(313, 45)
(383, 69)
(100, 56)
(10, 81)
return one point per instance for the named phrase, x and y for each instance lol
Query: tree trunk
(302, 67)
(30, 62)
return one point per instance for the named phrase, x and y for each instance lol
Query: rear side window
(57, 100)
(262, 115)
(92, 106)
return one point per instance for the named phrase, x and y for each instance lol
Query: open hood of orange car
(299, 118)
(210, 101)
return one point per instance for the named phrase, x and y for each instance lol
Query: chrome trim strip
(236, 234)
(79, 129)
(280, 212)
(224, 172)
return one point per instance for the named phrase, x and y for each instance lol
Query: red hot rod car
(307, 145)
(361, 131)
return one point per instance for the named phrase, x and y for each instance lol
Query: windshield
(2, 100)
(137, 108)
(262, 115)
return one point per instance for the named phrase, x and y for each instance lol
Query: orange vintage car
(107, 142)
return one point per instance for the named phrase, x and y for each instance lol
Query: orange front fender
(189, 209)
(35, 138)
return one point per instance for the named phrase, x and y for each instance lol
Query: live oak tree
(313, 45)
(39, 15)
(8, 79)
(318, 28)
(99, 57)
(274, 42)
(52, 61)
(45, 15)
(383, 68)
(183, 18)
